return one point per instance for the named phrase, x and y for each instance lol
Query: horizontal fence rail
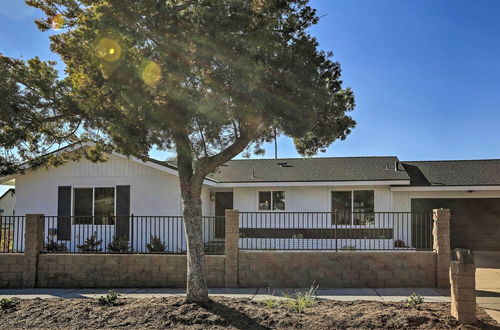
(127, 234)
(12, 234)
(336, 231)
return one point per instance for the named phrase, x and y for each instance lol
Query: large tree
(206, 79)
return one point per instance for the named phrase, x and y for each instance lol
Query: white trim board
(447, 188)
(310, 184)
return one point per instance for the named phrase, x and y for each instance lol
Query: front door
(223, 202)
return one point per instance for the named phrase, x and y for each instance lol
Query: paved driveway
(488, 282)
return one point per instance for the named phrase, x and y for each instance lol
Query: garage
(475, 222)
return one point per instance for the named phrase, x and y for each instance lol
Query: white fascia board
(447, 188)
(311, 184)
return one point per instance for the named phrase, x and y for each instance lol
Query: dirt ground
(173, 312)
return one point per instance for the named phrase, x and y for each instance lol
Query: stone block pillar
(231, 248)
(33, 246)
(441, 236)
(463, 286)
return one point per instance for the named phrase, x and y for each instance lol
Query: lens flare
(151, 73)
(108, 49)
(57, 22)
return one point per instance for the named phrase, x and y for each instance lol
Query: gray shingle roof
(310, 170)
(454, 172)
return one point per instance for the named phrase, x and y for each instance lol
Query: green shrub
(92, 244)
(156, 245)
(8, 303)
(400, 244)
(302, 299)
(110, 299)
(414, 300)
(119, 245)
(53, 246)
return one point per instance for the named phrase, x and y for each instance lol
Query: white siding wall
(308, 199)
(152, 192)
(8, 204)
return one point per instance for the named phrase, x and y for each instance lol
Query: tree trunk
(196, 272)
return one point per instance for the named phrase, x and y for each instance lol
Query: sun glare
(151, 73)
(108, 49)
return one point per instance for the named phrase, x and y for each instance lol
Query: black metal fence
(335, 231)
(11, 234)
(128, 234)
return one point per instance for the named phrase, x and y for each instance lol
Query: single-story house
(278, 189)
(8, 202)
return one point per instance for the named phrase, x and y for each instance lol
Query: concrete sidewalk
(347, 294)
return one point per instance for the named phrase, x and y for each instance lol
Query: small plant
(414, 300)
(110, 299)
(119, 245)
(400, 244)
(271, 303)
(298, 236)
(8, 303)
(92, 244)
(53, 246)
(302, 299)
(349, 247)
(156, 245)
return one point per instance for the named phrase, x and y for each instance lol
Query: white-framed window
(94, 205)
(353, 207)
(271, 200)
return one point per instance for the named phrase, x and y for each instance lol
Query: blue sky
(426, 73)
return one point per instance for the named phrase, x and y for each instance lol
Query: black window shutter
(122, 211)
(64, 213)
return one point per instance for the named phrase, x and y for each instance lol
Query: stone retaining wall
(337, 269)
(11, 270)
(95, 271)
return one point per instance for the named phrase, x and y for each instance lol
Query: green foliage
(92, 244)
(119, 245)
(110, 299)
(296, 302)
(271, 303)
(302, 299)
(205, 79)
(53, 246)
(400, 244)
(156, 245)
(414, 300)
(9, 303)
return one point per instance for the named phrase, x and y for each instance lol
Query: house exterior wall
(8, 204)
(308, 198)
(152, 192)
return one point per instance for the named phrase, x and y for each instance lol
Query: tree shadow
(232, 316)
